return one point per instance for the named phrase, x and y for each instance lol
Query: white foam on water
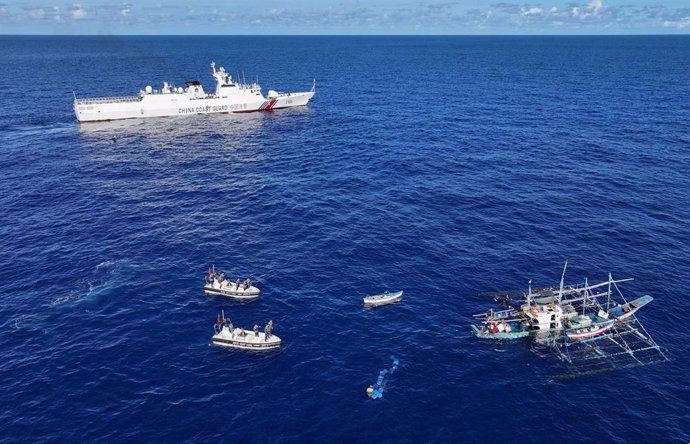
(106, 263)
(93, 287)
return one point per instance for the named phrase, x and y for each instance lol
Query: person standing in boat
(237, 284)
(256, 330)
(267, 330)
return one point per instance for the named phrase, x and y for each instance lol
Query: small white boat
(382, 299)
(216, 284)
(226, 335)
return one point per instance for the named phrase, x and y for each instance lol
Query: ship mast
(608, 293)
(560, 291)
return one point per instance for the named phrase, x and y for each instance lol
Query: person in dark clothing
(256, 330)
(268, 330)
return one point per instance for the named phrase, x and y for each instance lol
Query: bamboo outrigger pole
(592, 287)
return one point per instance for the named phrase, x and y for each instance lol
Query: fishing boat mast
(560, 291)
(608, 299)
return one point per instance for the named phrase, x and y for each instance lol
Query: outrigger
(590, 327)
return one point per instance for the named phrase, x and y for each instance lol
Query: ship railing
(108, 100)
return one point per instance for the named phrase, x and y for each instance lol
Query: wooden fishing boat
(383, 298)
(624, 311)
(590, 327)
(487, 334)
(583, 327)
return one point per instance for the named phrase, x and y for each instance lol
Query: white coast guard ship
(229, 97)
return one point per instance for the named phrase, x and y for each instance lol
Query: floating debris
(376, 390)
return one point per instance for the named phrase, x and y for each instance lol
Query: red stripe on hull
(590, 334)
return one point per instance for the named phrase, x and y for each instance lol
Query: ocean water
(443, 166)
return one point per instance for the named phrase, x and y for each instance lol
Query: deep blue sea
(442, 166)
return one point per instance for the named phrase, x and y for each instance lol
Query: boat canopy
(546, 300)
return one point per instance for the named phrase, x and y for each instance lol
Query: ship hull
(162, 105)
(229, 291)
(292, 99)
(248, 340)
